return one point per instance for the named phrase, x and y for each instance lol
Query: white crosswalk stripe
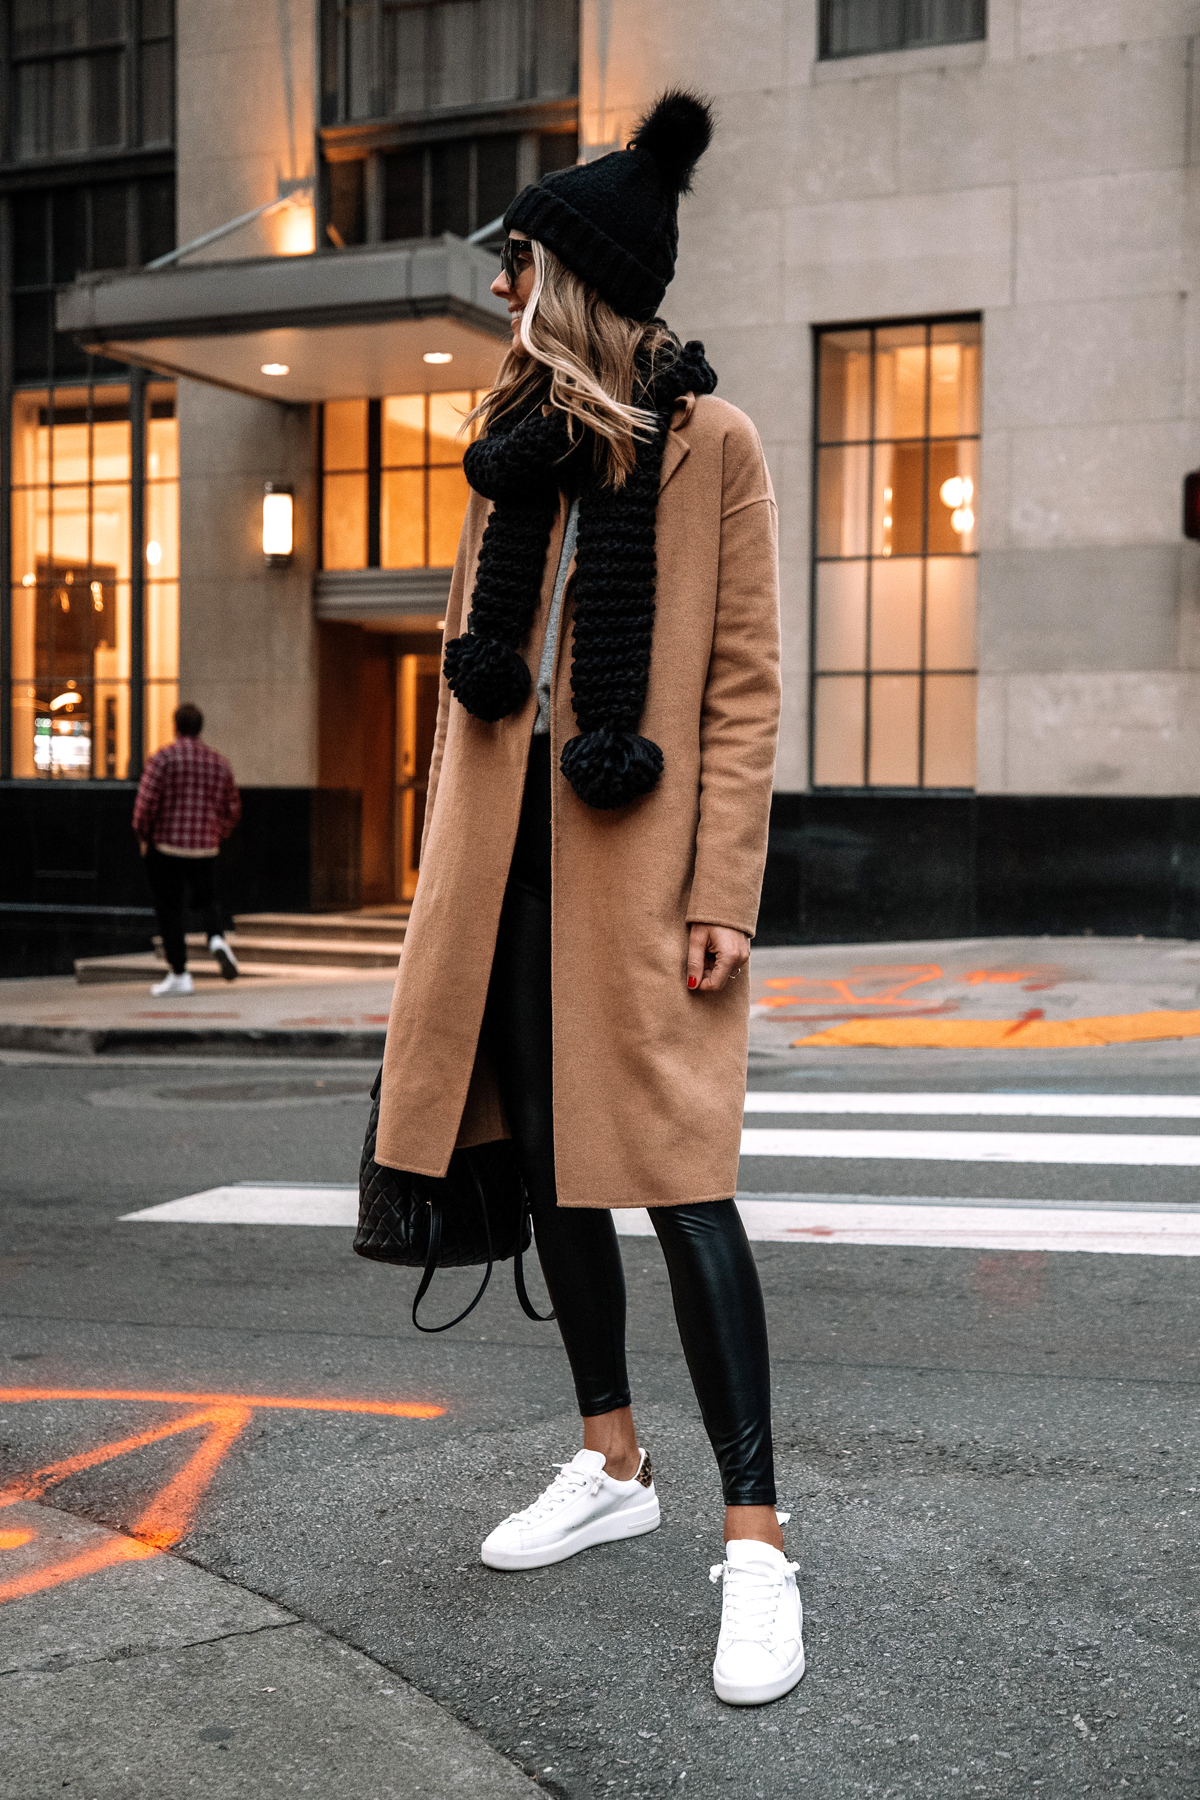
(1148, 1151)
(808, 1218)
(982, 1106)
(864, 1219)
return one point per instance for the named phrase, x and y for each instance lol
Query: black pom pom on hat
(615, 222)
(675, 132)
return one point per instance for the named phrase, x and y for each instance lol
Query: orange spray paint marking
(909, 975)
(168, 1517)
(392, 1409)
(115, 1550)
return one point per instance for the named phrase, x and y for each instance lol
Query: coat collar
(676, 447)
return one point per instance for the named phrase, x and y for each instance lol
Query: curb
(84, 1040)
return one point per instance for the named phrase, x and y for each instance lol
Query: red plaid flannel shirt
(187, 797)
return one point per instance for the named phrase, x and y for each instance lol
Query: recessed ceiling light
(437, 356)
(274, 368)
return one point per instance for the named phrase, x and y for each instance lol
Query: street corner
(1004, 994)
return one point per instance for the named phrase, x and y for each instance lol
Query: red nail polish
(692, 982)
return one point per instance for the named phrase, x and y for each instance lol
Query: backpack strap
(434, 1252)
(519, 1272)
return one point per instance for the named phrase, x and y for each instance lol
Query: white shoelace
(751, 1600)
(569, 1482)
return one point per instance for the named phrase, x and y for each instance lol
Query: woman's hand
(716, 954)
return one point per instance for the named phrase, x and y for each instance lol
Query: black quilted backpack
(478, 1212)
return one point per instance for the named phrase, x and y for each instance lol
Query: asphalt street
(989, 1457)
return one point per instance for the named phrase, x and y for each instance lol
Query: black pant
(170, 878)
(714, 1281)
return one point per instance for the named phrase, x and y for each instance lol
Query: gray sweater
(541, 725)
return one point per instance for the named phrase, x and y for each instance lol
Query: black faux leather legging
(714, 1281)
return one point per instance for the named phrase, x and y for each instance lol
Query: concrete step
(362, 927)
(147, 968)
(335, 953)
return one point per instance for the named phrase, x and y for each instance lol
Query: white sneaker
(226, 960)
(582, 1506)
(760, 1652)
(172, 983)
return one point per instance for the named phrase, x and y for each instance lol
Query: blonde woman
(596, 830)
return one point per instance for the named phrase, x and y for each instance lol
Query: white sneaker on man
(582, 1506)
(760, 1652)
(226, 960)
(172, 983)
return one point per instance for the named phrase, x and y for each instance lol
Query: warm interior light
(97, 597)
(28, 580)
(276, 522)
(64, 700)
(153, 553)
(438, 356)
(958, 491)
(962, 519)
(275, 368)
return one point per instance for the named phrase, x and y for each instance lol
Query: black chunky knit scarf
(521, 466)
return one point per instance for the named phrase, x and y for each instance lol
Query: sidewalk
(333, 1016)
(1005, 994)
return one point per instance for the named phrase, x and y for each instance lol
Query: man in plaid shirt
(187, 801)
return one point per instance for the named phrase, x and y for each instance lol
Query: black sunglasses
(516, 254)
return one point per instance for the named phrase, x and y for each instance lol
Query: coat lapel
(674, 451)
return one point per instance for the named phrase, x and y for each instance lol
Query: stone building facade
(942, 253)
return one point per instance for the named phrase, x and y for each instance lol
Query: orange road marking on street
(911, 975)
(222, 1417)
(394, 1409)
(1029, 1032)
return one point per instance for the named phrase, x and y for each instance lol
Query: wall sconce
(277, 525)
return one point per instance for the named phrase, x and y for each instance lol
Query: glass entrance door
(416, 722)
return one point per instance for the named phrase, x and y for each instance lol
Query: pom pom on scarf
(487, 677)
(610, 768)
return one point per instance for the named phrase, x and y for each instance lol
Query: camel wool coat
(649, 1078)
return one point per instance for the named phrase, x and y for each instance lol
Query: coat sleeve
(456, 618)
(739, 720)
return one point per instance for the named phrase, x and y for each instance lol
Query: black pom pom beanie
(614, 222)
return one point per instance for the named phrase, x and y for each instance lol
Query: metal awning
(343, 323)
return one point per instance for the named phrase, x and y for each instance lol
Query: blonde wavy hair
(600, 365)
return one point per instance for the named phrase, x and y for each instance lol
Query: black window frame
(815, 673)
(140, 33)
(144, 174)
(900, 25)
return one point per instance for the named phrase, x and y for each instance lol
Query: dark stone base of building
(857, 868)
(869, 868)
(71, 879)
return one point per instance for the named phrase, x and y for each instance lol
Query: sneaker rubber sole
(226, 963)
(610, 1528)
(763, 1692)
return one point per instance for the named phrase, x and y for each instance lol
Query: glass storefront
(78, 661)
(393, 488)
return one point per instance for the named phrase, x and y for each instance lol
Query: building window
(435, 115)
(863, 27)
(89, 76)
(393, 488)
(895, 555)
(400, 58)
(59, 233)
(82, 573)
